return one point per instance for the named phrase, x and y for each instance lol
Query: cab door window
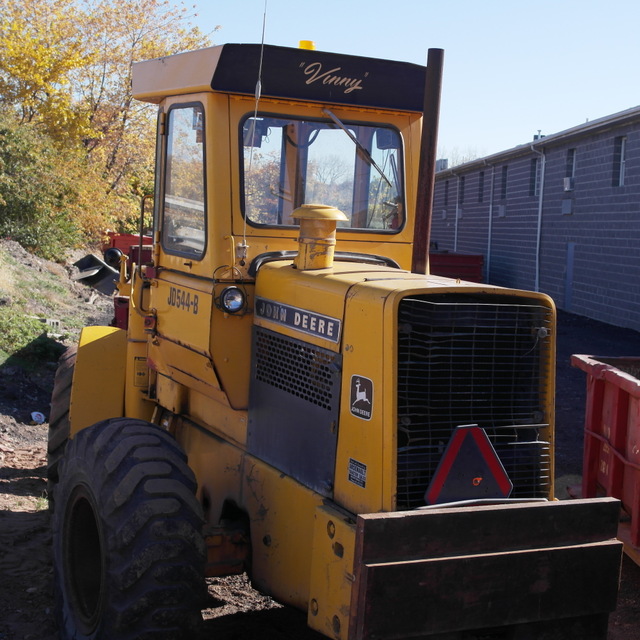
(184, 201)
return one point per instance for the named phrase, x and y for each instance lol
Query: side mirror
(254, 131)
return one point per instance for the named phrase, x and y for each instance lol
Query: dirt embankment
(235, 610)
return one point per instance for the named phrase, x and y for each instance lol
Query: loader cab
(327, 129)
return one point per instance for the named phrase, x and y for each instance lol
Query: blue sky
(511, 68)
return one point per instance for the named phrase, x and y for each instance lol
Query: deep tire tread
(153, 527)
(59, 415)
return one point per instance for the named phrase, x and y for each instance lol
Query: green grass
(42, 504)
(17, 330)
(25, 339)
(27, 297)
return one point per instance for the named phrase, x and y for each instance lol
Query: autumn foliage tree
(41, 45)
(65, 75)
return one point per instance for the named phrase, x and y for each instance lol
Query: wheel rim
(84, 560)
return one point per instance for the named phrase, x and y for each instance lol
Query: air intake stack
(317, 238)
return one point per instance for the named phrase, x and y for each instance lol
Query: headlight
(232, 300)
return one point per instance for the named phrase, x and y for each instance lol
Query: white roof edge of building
(579, 130)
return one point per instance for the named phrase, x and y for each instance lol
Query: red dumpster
(465, 266)
(611, 462)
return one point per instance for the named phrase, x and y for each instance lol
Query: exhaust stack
(427, 168)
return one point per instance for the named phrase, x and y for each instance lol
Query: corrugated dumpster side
(611, 463)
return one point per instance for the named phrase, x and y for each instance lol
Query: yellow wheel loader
(290, 393)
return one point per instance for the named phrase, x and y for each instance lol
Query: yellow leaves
(65, 67)
(41, 47)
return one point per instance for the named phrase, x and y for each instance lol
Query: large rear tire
(127, 536)
(59, 427)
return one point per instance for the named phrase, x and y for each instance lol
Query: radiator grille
(296, 368)
(472, 361)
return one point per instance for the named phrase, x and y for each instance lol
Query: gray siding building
(559, 215)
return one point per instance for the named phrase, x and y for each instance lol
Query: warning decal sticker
(357, 473)
(140, 372)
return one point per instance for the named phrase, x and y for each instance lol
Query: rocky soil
(236, 611)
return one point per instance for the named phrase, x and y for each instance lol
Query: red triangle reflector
(469, 470)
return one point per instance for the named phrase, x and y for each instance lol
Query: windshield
(353, 167)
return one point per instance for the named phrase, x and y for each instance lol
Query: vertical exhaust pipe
(427, 168)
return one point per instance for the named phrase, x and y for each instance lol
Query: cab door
(182, 293)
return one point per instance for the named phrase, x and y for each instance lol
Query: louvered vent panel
(297, 368)
(294, 400)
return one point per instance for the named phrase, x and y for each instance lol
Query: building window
(619, 160)
(503, 183)
(570, 169)
(534, 177)
(446, 193)
(481, 186)
(461, 181)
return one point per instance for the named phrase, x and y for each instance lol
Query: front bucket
(97, 274)
(524, 570)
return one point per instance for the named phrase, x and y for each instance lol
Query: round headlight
(232, 299)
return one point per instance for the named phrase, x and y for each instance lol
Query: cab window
(183, 227)
(354, 167)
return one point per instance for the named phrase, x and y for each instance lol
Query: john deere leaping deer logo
(361, 397)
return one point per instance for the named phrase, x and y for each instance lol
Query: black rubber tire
(59, 416)
(128, 549)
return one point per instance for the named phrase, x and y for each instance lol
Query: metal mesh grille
(295, 367)
(463, 361)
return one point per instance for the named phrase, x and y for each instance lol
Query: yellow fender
(99, 377)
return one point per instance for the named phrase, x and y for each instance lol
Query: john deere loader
(286, 391)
